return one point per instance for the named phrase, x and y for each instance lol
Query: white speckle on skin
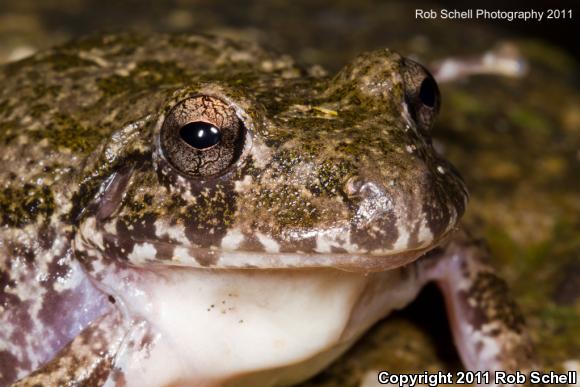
(232, 240)
(338, 238)
(403, 240)
(452, 218)
(244, 184)
(261, 153)
(176, 233)
(323, 244)
(181, 254)
(143, 252)
(111, 228)
(425, 234)
(270, 245)
(490, 349)
(89, 227)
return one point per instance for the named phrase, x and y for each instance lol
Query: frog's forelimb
(87, 359)
(488, 329)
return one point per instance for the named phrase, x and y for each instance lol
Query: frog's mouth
(93, 237)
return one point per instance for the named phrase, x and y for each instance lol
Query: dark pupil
(200, 135)
(428, 92)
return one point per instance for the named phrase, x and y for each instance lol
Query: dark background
(43, 23)
(561, 33)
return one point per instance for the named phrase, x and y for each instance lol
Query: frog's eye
(421, 94)
(428, 92)
(202, 136)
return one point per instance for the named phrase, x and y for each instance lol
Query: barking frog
(192, 210)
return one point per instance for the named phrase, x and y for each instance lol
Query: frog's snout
(394, 213)
(373, 202)
(353, 186)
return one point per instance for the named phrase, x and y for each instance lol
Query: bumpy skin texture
(332, 172)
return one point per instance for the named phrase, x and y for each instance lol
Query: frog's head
(266, 168)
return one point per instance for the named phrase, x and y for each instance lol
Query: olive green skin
(347, 127)
(335, 171)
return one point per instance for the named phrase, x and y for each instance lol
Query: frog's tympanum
(190, 210)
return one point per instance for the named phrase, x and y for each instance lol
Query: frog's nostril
(358, 186)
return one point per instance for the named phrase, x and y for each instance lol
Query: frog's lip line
(204, 258)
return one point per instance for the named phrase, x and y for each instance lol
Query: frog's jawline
(153, 252)
(210, 259)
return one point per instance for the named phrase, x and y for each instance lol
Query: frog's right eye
(421, 94)
(202, 136)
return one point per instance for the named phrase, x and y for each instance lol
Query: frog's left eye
(421, 94)
(202, 136)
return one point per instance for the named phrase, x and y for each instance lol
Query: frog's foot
(87, 360)
(488, 328)
(503, 60)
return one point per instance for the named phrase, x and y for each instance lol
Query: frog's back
(69, 99)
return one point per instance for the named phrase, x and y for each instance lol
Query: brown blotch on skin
(251, 243)
(18, 250)
(119, 378)
(437, 216)
(7, 283)
(164, 250)
(209, 219)
(22, 205)
(57, 304)
(337, 250)
(370, 239)
(119, 246)
(47, 236)
(8, 368)
(305, 245)
(206, 258)
(492, 302)
(143, 228)
(20, 315)
(146, 340)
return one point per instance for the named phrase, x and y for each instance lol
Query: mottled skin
(332, 174)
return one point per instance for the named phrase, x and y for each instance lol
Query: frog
(190, 209)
